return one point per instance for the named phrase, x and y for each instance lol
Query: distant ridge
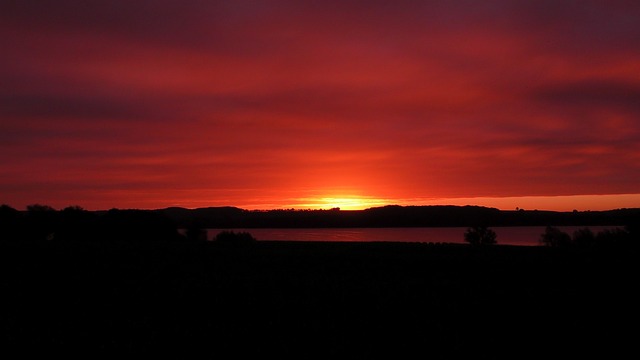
(227, 217)
(394, 216)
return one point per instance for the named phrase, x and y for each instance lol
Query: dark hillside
(396, 216)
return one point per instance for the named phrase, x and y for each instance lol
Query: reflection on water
(518, 235)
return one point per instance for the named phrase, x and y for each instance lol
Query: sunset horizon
(453, 179)
(541, 203)
(294, 104)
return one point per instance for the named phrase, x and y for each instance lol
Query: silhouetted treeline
(585, 238)
(40, 223)
(43, 223)
(397, 216)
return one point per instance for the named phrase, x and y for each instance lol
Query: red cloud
(197, 103)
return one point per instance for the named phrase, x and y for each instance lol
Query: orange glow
(342, 202)
(409, 103)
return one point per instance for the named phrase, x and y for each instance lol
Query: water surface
(516, 235)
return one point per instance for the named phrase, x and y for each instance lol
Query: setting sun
(343, 202)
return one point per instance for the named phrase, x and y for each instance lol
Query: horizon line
(556, 203)
(319, 209)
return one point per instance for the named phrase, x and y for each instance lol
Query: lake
(517, 235)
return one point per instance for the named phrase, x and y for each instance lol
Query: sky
(317, 104)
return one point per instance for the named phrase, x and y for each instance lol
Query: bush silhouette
(480, 235)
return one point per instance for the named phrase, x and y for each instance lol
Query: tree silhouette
(234, 238)
(554, 237)
(41, 222)
(584, 238)
(75, 224)
(136, 226)
(480, 235)
(196, 233)
(614, 237)
(9, 222)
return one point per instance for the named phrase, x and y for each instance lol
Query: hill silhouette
(396, 216)
(40, 222)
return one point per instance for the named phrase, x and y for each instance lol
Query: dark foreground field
(324, 300)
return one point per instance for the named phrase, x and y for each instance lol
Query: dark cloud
(243, 27)
(51, 106)
(582, 24)
(610, 94)
(218, 26)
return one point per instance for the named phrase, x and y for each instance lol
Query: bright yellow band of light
(344, 203)
(553, 203)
